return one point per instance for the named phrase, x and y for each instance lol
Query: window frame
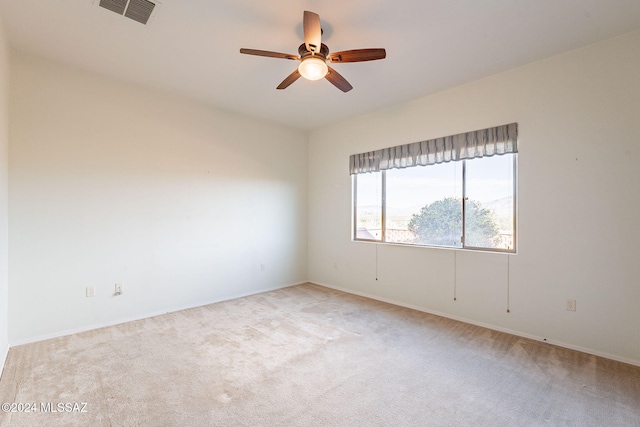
(383, 186)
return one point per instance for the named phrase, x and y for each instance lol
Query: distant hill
(501, 207)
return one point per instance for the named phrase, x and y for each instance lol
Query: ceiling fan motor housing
(304, 53)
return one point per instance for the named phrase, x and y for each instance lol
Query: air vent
(117, 6)
(138, 10)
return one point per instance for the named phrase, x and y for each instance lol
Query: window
(460, 203)
(368, 208)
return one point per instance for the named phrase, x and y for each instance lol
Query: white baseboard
(72, 331)
(486, 325)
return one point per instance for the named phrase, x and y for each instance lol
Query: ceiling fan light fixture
(313, 68)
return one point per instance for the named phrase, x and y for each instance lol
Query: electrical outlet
(262, 267)
(571, 305)
(118, 289)
(90, 291)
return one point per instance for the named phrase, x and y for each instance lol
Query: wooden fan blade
(312, 31)
(290, 79)
(337, 80)
(357, 55)
(268, 53)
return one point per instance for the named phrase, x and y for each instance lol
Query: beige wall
(579, 182)
(4, 194)
(179, 202)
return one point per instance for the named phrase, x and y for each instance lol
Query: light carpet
(311, 356)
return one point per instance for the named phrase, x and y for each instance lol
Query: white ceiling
(191, 47)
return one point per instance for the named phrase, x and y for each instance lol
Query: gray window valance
(480, 143)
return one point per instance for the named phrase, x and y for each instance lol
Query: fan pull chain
(376, 263)
(508, 283)
(455, 276)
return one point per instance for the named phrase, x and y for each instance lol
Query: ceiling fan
(313, 56)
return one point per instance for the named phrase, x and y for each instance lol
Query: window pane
(368, 206)
(489, 206)
(424, 205)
